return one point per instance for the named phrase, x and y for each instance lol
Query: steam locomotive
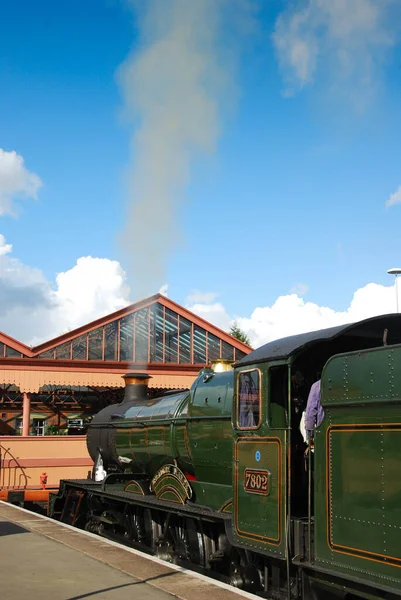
(220, 476)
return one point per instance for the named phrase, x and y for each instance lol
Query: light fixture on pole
(395, 272)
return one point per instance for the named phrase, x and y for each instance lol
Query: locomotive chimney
(136, 387)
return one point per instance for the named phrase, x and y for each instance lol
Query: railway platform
(46, 560)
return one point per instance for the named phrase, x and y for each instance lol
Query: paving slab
(36, 567)
(42, 559)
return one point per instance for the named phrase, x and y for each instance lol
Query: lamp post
(395, 272)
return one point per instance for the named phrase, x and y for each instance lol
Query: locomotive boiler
(221, 477)
(191, 430)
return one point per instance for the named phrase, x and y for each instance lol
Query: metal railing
(12, 475)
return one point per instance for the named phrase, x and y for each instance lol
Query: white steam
(173, 89)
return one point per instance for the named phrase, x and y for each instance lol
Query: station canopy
(154, 335)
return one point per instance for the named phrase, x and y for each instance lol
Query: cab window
(249, 401)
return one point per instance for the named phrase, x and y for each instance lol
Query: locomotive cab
(274, 480)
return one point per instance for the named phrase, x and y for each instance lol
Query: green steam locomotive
(221, 476)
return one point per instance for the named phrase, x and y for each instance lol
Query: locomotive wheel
(135, 526)
(236, 576)
(209, 545)
(153, 529)
(184, 542)
(92, 526)
(253, 571)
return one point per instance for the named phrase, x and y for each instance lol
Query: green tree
(240, 335)
(54, 430)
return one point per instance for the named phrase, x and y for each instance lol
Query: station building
(57, 386)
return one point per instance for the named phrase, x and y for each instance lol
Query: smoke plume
(174, 87)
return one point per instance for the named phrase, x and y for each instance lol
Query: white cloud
(214, 312)
(344, 38)
(195, 296)
(290, 314)
(15, 181)
(93, 288)
(394, 198)
(296, 44)
(299, 288)
(4, 248)
(164, 290)
(33, 309)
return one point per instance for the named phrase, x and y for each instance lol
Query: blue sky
(294, 192)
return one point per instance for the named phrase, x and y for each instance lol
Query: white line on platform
(154, 559)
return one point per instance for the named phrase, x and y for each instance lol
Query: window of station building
(63, 351)
(185, 340)
(227, 351)
(79, 347)
(152, 311)
(199, 345)
(47, 354)
(110, 340)
(249, 400)
(18, 426)
(95, 343)
(239, 354)
(38, 426)
(127, 338)
(142, 336)
(12, 353)
(214, 347)
(156, 332)
(171, 337)
(2, 350)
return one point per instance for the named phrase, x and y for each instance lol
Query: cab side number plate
(256, 481)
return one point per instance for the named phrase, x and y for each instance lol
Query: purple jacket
(314, 412)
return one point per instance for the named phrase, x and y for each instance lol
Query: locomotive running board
(148, 501)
